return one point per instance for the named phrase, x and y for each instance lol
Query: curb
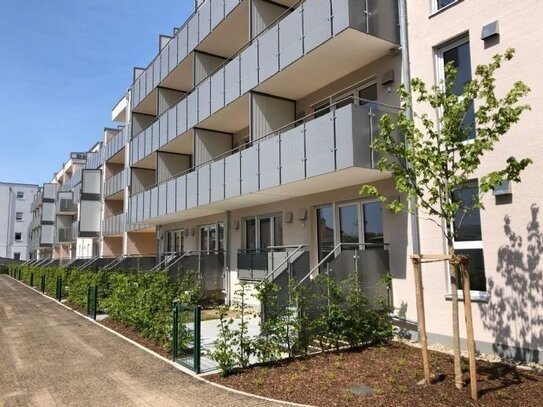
(162, 358)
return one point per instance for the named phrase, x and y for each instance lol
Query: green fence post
(19, 274)
(197, 317)
(31, 279)
(59, 289)
(88, 300)
(175, 332)
(95, 305)
(42, 285)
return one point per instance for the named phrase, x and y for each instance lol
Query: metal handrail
(88, 263)
(167, 258)
(333, 253)
(258, 140)
(179, 259)
(115, 262)
(287, 259)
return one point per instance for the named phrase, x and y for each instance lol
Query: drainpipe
(228, 246)
(406, 79)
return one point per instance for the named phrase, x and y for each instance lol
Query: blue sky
(63, 66)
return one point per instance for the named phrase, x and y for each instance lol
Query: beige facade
(512, 311)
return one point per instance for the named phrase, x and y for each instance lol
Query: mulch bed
(136, 336)
(392, 371)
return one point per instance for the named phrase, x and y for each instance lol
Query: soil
(392, 371)
(136, 336)
(213, 313)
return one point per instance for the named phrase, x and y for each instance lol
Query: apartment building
(241, 148)
(15, 219)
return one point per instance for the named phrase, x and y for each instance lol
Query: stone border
(171, 363)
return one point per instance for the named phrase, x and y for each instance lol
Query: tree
(440, 156)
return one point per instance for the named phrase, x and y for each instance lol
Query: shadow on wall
(514, 313)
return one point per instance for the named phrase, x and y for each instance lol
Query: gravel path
(50, 356)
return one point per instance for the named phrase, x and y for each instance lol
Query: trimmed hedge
(140, 299)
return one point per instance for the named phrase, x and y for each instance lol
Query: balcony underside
(314, 185)
(117, 196)
(336, 58)
(118, 158)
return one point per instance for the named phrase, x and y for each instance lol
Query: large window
(359, 225)
(366, 92)
(212, 237)
(262, 232)
(174, 241)
(458, 54)
(468, 236)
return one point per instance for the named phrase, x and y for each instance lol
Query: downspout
(227, 257)
(406, 80)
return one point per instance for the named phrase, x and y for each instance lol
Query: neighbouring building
(241, 148)
(15, 219)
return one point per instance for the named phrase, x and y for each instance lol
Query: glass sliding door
(349, 225)
(212, 237)
(325, 231)
(373, 225)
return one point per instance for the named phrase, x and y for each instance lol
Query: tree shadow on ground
(514, 313)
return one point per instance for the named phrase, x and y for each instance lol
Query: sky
(64, 64)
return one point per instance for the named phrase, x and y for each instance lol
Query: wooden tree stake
(421, 319)
(469, 328)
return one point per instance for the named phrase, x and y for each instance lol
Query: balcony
(320, 154)
(65, 235)
(95, 159)
(114, 186)
(207, 30)
(315, 45)
(114, 225)
(66, 207)
(115, 145)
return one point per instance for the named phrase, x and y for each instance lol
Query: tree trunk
(453, 270)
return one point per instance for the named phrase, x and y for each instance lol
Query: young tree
(440, 156)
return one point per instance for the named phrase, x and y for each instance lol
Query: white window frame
(257, 219)
(476, 295)
(22, 198)
(345, 93)
(172, 232)
(207, 228)
(440, 65)
(15, 237)
(435, 9)
(21, 219)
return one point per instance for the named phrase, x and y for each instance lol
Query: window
(19, 216)
(443, 3)
(468, 237)
(458, 54)
(20, 195)
(262, 232)
(212, 237)
(16, 256)
(367, 92)
(174, 241)
(18, 236)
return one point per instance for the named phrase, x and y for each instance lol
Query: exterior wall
(9, 206)
(513, 313)
(141, 244)
(112, 247)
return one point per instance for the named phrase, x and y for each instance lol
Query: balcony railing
(309, 147)
(294, 35)
(114, 225)
(116, 183)
(65, 235)
(95, 159)
(197, 27)
(116, 144)
(66, 206)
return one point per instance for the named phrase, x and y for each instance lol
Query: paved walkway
(50, 356)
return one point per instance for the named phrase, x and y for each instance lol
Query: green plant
(223, 352)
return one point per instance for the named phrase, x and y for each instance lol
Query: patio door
(212, 237)
(175, 241)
